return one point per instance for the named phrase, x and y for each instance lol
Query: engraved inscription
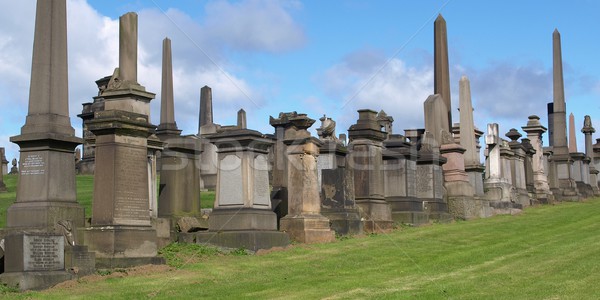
(411, 177)
(43, 253)
(230, 181)
(33, 164)
(261, 181)
(131, 191)
(424, 182)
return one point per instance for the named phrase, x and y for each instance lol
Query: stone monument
(534, 130)
(561, 157)
(366, 146)
(242, 215)
(468, 137)
(303, 222)
(14, 170)
(442, 68)
(206, 128)
(588, 130)
(436, 120)
(179, 191)
(3, 161)
(517, 167)
(46, 198)
(121, 233)
(497, 183)
(580, 162)
(336, 182)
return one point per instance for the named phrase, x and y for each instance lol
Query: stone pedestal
(366, 160)
(517, 161)
(430, 180)
(541, 188)
(304, 222)
(400, 176)
(581, 174)
(242, 216)
(337, 189)
(497, 184)
(462, 203)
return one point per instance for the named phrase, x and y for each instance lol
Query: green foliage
(207, 199)
(9, 291)
(180, 254)
(7, 198)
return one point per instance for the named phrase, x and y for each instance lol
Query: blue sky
(320, 57)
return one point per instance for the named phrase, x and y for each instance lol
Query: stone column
(121, 233)
(336, 182)
(572, 135)
(206, 127)
(588, 130)
(468, 139)
(534, 130)
(365, 159)
(4, 162)
(304, 222)
(242, 216)
(442, 68)
(517, 167)
(241, 119)
(564, 163)
(400, 181)
(167, 105)
(580, 163)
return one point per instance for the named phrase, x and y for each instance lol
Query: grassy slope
(548, 252)
(85, 192)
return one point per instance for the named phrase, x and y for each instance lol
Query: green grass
(85, 194)
(547, 252)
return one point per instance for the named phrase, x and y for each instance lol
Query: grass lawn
(547, 252)
(85, 193)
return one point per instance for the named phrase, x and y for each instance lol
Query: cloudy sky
(319, 57)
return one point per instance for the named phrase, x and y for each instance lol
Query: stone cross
(441, 67)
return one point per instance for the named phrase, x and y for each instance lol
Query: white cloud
(363, 79)
(261, 25)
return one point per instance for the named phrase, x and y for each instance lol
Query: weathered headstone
(304, 222)
(534, 130)
(366, 146)
(121, 233)
(442, 68)
(468, 138)
(561, 157)
(179, 191)
(497, 183)
(588, 130)
(3, 161)
(242, 216)
(336, 182)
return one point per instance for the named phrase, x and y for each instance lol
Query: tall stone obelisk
(121, 233)
(179, 175)
(441, 69)
(572, 134)
(564, 163)
(46, 190)
(473, 165)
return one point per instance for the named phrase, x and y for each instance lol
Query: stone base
(585, 189)
(344, 221)
(407, 210)
(498, 191)
(376, 213)
(414, 218)
(467, 208)
(307, 228)
(79, 260)
(44, 214)
(251, 240)
(568, 190)
(523, 197)
(242, 219)
(85, 166)
(122, 246)
(35, 280)
(505, 207)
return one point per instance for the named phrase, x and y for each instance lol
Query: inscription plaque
(43, 252)
(261, 181)
(33, 164)
(424, 181)
(131, 190)
(230, 181)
